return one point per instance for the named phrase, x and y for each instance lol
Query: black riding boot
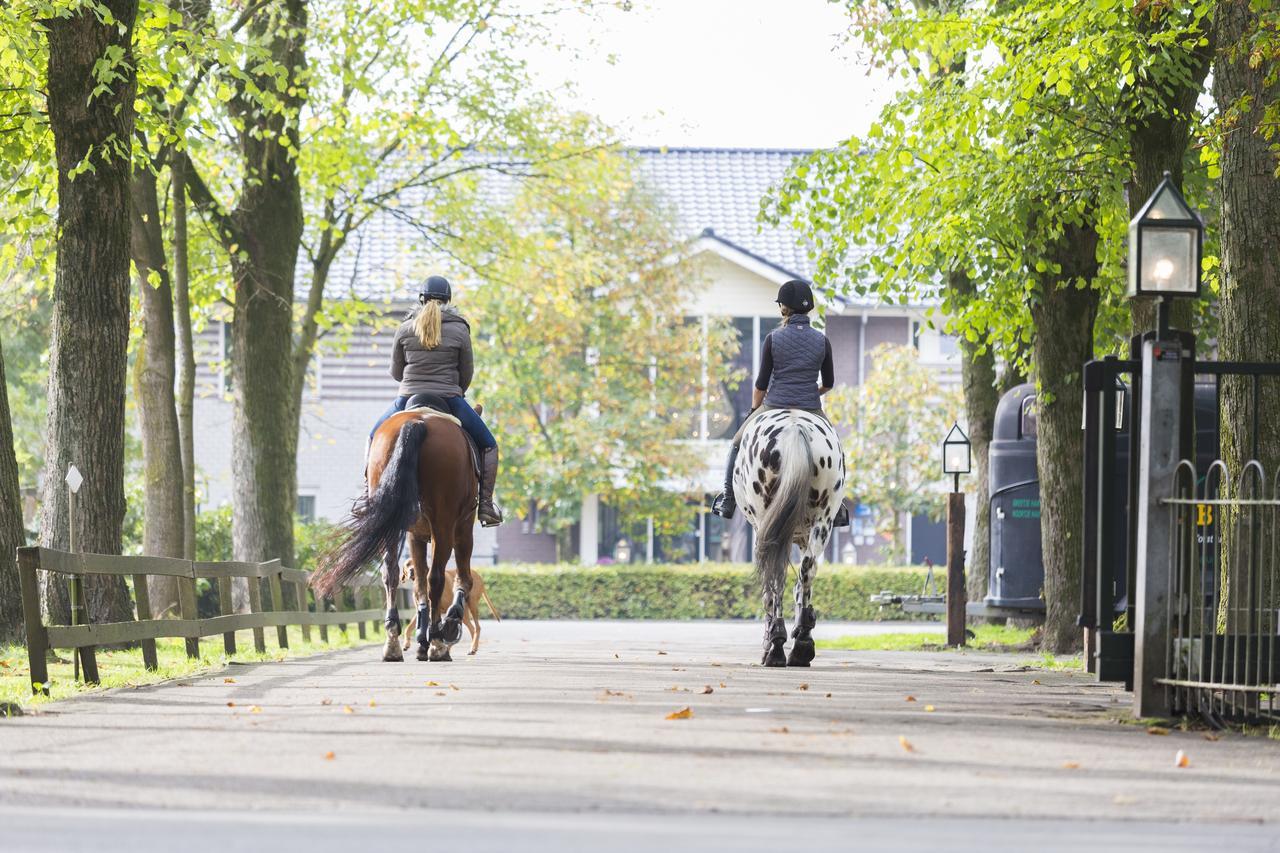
(724, 505)
(490, 515)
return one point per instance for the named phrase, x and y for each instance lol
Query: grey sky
(769, 73)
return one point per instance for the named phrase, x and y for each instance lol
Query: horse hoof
(802, 653)
(774, 656)
(392, 652)
(440, 655)
(424, 652)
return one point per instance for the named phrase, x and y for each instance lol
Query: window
(948, 345)
(306, 509)
(1027, 422)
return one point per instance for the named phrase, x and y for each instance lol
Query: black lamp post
(956, 460)
(1166, 240)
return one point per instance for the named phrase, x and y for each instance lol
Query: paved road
(555, 737)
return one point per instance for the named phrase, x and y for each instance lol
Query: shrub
(708, 591)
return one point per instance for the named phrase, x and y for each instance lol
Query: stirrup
(495, 517)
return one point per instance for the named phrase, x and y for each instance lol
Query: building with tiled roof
(715, 195)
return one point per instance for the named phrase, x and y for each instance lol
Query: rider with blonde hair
(432, 356)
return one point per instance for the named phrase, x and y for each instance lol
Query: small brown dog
(470, 616)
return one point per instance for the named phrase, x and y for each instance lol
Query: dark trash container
(1016, 570)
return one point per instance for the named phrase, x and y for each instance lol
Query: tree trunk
(90, 328)
(1250, 307)
(268, 220)
(978, 378)
(1158, 139)
(153, 383)
(12, 535)
(1063, 316)
(186, 359)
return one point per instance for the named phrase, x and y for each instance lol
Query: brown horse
(421, 483)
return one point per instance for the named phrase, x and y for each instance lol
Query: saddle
(436, 403)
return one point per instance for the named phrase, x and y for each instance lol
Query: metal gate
(1221, 649)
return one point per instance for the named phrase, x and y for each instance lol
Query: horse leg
(775, 628)
(418, 554)
(462, 589)
(802, 651)
(440, 550)
(391, 580)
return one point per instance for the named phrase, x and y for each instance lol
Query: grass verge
(123, 667)
(986, 638)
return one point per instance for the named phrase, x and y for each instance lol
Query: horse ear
(479, 407)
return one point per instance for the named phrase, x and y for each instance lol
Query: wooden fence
(267, 582)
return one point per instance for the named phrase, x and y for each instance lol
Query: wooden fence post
(226, 608)
(37, 639)
(255, 606)
(361, 596)
(340, 605)
(142, 599)
(302, 606)
(277, 605)
(189, 608)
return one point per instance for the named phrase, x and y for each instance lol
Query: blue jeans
(460, 409)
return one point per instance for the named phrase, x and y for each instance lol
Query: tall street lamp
(1166, 240)
(956, 460)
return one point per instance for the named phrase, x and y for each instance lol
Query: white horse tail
(787, 508)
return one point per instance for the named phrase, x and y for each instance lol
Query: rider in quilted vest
(794, 358)
(432, 355)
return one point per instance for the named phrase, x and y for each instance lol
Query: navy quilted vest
(798, 353)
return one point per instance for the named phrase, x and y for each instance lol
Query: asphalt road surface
(556, 737)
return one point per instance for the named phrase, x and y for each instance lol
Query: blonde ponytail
(427, 324)
(786, 315)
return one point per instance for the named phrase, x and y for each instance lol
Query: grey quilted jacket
(445, 370)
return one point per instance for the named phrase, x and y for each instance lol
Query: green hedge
(709, 591)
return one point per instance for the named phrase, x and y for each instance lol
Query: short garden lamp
(955, 454)
(1165, 243)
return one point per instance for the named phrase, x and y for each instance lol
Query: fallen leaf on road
(781, 730)
(929, 708)
(329, 756)
(607, 693)
(906, 744)
(674, 689)
(372, 704)
(1035, 681)
(683, 714)
(1157, 730)
(347, 709)
(911, 698)
(454, 687)
(713, 663)
(615, 654)
(326, 701)
(433, 684)
(828, 695)
(661, 652)
(707, 689)
(254, 709)
(231, 704)
(1181, 759)
(1210, 736)
(803, 687)
(441, 693)
(1071, 765)
(228, 681)
(677, 669)
(722, 684)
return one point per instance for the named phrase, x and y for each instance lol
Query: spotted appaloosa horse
(789, 480)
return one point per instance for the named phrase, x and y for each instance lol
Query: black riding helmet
(796, 295)
(436, 288)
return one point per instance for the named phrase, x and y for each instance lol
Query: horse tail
(786, 513)
(485, 595)
(378, 520)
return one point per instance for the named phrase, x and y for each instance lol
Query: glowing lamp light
(1166, 240)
